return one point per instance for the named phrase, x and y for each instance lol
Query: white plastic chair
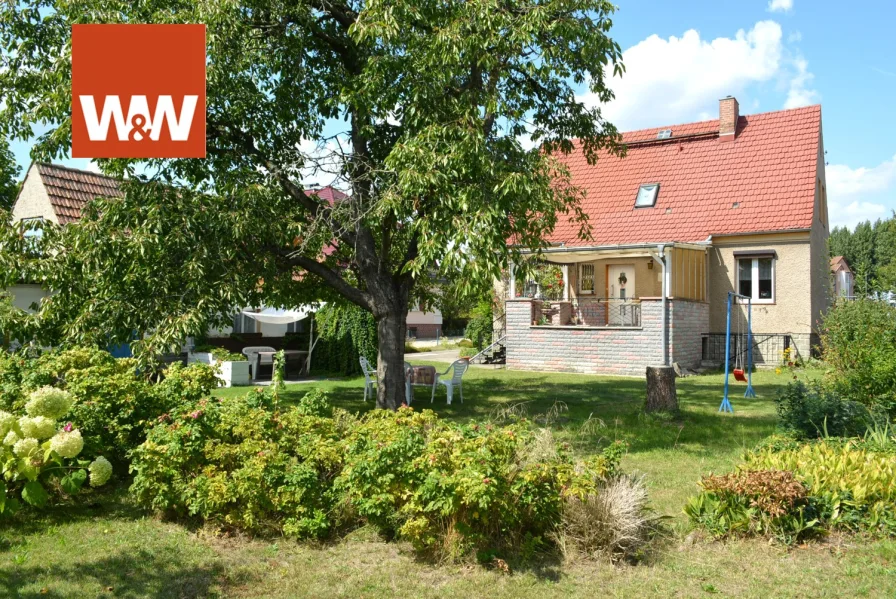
(456, 380)
(368, 382)
(251, 354)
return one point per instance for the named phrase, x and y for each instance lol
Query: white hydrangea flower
(39, 427)
(67, 445)
(10, 438)
(100, 471)
(26, 447)
(50, 402)
(7, 421)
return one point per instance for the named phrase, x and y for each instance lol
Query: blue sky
(681, 56)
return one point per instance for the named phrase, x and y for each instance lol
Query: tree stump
(661, 394)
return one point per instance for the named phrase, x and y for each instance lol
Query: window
(586, 278)
(756, 278)
(243, 323)
(647, 195)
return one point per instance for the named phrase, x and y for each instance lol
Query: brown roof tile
(70, 189)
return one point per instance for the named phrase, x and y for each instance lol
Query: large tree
(415, 107)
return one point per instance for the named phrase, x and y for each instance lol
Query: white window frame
(754, 273)
(582, 268)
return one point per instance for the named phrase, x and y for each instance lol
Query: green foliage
(114, 403)
(870, 251)
(309, 471)
(812, 410)
(467, 352)
(852, 483)
(39, 457)
(479, 329)
(550, 280)
(346, 333)
(220, 353)
(859, 342)
(748, 502)
(9, 177)
(241, 462)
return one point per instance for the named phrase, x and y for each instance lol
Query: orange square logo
(138, 91)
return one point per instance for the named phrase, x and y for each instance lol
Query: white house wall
(33, 201)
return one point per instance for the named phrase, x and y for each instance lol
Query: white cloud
(794, 37)
(800, 94)
(853, 192)
(678, 79)
(780, 5)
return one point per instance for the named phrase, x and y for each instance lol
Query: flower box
(230, 373)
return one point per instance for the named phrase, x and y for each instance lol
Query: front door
(621, 291)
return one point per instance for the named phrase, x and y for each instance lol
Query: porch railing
(592, 311)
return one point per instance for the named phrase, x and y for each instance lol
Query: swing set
(743, 358)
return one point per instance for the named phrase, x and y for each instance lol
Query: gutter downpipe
(661, 258)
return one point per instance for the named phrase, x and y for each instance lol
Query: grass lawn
(106, 547)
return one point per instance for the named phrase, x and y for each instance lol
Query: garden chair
(368, 381)
(255, 364)
(456, 380)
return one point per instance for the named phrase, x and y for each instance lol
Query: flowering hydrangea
(100, 471)
(7, 420)
(50, 402)
(39, 427)
(10, 438)
(25, 447)
(67, 445)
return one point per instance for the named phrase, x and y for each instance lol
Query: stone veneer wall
(605, 350)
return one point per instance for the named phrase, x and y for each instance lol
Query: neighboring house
(56, 194)
(691, 212)
(424, 325)
(843, 277)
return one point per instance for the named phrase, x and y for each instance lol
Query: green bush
(310, 471)
(466, 343)
(479, 328)
(812, 410)
(242, 462)
(114, 404)
(761, 502)
(39, 456)
(859, 341)
(467, 352)
(852, 484)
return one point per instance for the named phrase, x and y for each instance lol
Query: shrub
(859, 341)
(457, 490)
(242, 462)
(479, 328)
(346, 332)
(465, 343)
(812, 410)
(112, 402)
(750, 502)
(853, 485)
(467, 352)
(38, 460)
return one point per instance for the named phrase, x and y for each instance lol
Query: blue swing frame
(726, 403)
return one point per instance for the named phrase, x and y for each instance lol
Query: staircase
(493, 354)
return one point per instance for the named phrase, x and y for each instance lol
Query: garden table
(419, 376)
(289, 355)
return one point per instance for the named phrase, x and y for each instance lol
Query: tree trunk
(661, 394)
(392, 330)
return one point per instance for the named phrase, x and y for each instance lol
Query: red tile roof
(769, 170)
(70, 189)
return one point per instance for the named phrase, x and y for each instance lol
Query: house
(843, 277)
(56, 194)
(691, 213)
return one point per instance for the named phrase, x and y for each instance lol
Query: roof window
(664, 134)
(647, 195)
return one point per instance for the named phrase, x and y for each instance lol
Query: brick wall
(425, 330)
(604, 350)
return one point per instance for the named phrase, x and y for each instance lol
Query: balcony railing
(589, 311)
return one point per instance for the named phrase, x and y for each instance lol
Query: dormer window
(647, 195)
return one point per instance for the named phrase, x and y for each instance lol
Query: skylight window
(664, 134)
(647, 195)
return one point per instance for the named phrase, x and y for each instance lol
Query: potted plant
(232, 368)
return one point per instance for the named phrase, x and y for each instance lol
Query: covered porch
(609, 310)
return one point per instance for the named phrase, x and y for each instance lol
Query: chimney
(728, 115)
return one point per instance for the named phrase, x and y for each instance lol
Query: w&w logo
(154, 111)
